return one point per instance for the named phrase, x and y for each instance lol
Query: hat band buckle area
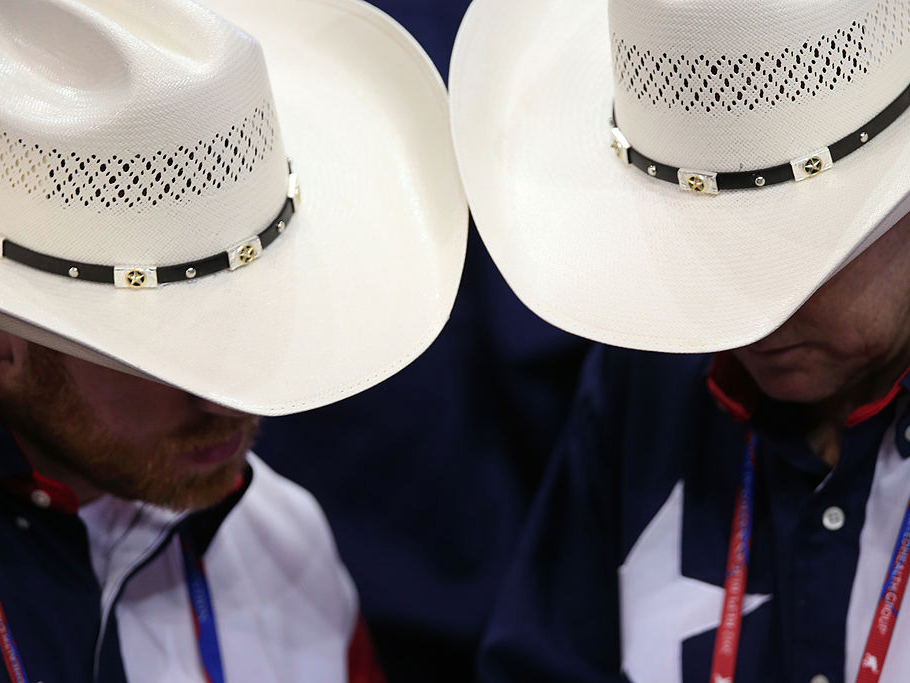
(150, 276)
(814, 164)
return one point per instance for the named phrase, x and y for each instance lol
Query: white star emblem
(660, 608)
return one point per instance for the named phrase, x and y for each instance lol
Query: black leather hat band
(709, 182)
(148, 276)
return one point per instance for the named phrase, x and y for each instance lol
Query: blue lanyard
(748, 497)
(203, 613)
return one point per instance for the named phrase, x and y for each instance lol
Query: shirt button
(907, 433)
(820, 678)
(833, 520)
(22, 523)
(41, 498)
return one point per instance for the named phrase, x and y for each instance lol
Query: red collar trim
(732, 387)
(737, 393)
(29, 486)
(37, 486)
(875, 407)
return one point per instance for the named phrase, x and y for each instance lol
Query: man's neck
(830, 417)
(825, 442)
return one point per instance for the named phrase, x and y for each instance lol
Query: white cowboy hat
(802, 103)
(138, 139)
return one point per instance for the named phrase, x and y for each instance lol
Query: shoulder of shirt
(280, 523)
(281, 496)
(612, 373)
(284, 510)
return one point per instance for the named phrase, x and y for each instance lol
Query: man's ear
(13, 355)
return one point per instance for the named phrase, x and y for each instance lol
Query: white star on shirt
(660, 608)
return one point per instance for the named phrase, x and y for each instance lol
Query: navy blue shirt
(619, 574)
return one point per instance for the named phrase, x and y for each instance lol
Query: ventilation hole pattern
(763, 80)
(140, 180)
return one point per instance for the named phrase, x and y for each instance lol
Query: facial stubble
(46, 409)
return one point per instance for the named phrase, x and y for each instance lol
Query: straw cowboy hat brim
(599, 248)
(365, 275)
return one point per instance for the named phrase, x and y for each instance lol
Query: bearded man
(730, 501)
(162, 283)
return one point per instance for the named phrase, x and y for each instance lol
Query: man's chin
(199, 493)
(180, 489)
(806, 383)
(793, 388)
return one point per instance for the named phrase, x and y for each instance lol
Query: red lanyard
(888, 606)
(726, 643)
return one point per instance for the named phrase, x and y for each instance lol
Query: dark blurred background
(426, 478)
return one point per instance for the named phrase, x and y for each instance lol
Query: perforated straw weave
(141, 179)
(763, 80)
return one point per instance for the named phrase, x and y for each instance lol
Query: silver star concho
(135, 278)
(813, 166)
(696, 183)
